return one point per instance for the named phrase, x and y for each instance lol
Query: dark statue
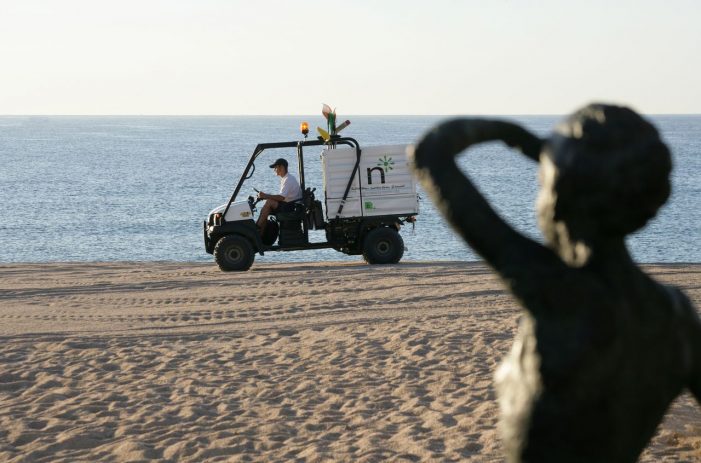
(602, 349)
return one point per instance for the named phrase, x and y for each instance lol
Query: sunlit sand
(317, 361)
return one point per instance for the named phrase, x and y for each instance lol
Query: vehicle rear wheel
(233, 252)
(383, 246)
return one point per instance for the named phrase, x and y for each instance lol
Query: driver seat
(290, 222)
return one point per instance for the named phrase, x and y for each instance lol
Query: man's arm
(262, 195)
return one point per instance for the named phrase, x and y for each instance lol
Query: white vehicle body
(382, 186)
(239, 210)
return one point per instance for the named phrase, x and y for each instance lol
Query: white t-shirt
(289, 188)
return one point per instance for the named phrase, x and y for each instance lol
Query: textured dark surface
(602, 349)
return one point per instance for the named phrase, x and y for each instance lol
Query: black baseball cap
(279, 162)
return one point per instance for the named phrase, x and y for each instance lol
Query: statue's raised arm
(464, 206)
(522, 263)
(602, 349)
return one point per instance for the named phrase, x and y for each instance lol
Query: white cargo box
(383, 184)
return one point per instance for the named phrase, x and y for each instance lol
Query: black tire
(233, 253)
(383, 246)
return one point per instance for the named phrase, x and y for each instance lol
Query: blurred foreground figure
(602, 349)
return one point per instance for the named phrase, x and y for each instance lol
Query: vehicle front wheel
(383, 246)
(233, 252)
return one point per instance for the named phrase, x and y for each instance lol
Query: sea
(137, 188)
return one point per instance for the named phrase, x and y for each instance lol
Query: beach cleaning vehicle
(368, 195)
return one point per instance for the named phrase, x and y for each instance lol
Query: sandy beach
(287, 362)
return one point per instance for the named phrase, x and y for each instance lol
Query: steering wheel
(257, 198)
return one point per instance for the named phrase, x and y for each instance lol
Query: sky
(262, 57)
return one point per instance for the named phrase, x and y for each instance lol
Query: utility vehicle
(368, 194)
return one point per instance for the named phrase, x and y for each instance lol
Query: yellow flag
(324, 134)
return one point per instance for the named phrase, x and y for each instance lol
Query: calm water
(138, 188)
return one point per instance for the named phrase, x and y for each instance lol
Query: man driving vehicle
(290, 192)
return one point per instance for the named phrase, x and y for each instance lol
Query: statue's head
(604, 173)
